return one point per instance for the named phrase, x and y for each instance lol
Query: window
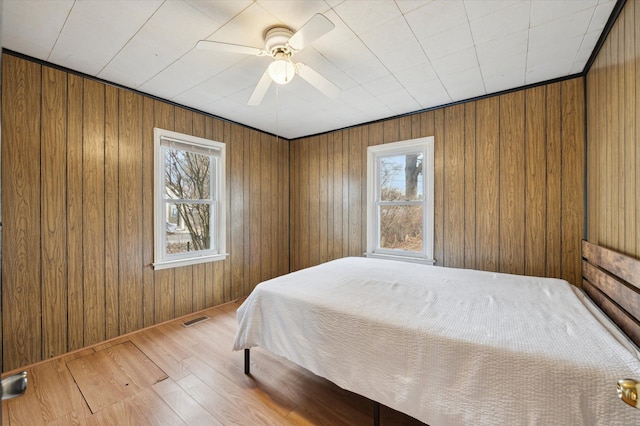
(190, 198)
(400, 200)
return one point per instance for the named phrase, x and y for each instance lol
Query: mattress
(447, 346)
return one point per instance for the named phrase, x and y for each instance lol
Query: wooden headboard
(612, 281)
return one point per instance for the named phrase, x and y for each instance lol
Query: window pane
(187, 175)
(401, 227)
(189, 228)
(401, 177)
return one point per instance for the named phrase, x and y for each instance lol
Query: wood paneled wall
(613, 142)
(508, 183)
(77, 197)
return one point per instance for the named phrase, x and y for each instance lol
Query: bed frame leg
(376, 413)
(247, 357)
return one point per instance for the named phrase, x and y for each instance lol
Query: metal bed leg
(247, 356)
(376, 413)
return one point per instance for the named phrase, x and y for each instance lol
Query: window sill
(422, 260)
(189, 261)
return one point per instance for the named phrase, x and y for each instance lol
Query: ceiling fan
(281, 44)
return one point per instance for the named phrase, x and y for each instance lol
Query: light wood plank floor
(173, 375)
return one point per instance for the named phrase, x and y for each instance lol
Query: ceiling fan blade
(318, 81)
(260, 90)
(315, 28)
(228, 47)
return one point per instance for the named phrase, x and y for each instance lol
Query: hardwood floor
(173, 375)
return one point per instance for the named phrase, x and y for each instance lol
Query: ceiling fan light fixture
(281, 69)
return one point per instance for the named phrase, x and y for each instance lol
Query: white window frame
(217, 150)
(374, 153)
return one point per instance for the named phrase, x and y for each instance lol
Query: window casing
(189, 200)
(400, 200)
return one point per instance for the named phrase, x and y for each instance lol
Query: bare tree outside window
(188, 182)
(401, 221)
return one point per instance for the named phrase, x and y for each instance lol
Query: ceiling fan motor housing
(276, 40)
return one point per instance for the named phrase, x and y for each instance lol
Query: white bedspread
(447, 346)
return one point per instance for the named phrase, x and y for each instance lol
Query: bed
(455, 346)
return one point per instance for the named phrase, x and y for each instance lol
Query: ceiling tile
(407, 6)
(416, 74)
(480, 8)
(502, 23)
(367, 71)
(366, 15)
(511, 74)
(187, 72)
(96, 30)
(541, 12)
(551, 32)
(601, 15)
(171, 32)
(395, 45)
(383, 85)
(220, 11)
(456, 62)
(447, 42)
(293, 14)
(31, 27)
(435, 17)
(399, 102)
(430, 93)
(503, 49)
(464, 84)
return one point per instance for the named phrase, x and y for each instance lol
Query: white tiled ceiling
(388, 57)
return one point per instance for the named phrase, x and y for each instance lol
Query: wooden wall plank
(54, 207)
(331, 199)
(629, 125)
(620, 116)
(535, 183)
(356, 188)
(236, 161)
(611, 196)
(554, 179)
(470, 187)
(453, 187)
(219, 267)
(223, 131)
(112, 212)
(148, 276)
(255, 157)
(21, 295)
(283, 211)
(304, 212)
(75, 301)
(294, 203)
(93, 213)
(488, 184)
(346, 177)
(512, 183)
(338, 208)
(322, 199)
(312, 190)
(363, 191)
(248, 134)
(572, 177)
(636, 118)
(438, 187)
(130, 211)
(266, 198)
